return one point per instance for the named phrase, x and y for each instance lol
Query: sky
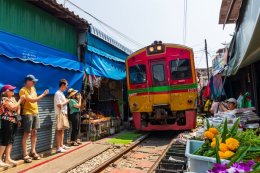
(145, 21)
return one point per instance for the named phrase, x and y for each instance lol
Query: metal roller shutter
(46, 134)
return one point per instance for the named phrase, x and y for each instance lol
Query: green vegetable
(209, 153)
(217, 149)
(203, 149)
(225, 131)
(238, 156)
(248, 137)
(208, 125)
(257, 167)
(234, 128)
(254, 149)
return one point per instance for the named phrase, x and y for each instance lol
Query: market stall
(225, 141)
(103, 86)
(102, 115)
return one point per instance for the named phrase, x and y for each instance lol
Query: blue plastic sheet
(20, 57)
(13, 71)
(103, 59)
(244, 49)
(17, 47)
(104, 67)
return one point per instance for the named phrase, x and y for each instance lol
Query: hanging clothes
(246, 101)
(207, 105)
(206, 93)
(216, 87)
(239, 100)
(116, 108)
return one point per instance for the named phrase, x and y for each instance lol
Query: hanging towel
(216, 87)
(206, 93)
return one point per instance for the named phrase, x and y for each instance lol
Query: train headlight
(155, 48)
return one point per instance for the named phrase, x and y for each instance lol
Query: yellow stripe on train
(176, 101)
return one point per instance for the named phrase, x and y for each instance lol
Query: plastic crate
(176, 150)
(198, 164)
(170, 167)
(180, 154)
(174, 159)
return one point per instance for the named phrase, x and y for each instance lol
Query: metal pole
(206, 52)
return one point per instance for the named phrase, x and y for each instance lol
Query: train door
(158, 71)
(160, 83)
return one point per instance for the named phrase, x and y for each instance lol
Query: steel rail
(118, 156)
(155, 165)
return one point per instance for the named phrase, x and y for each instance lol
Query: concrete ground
(58, 163)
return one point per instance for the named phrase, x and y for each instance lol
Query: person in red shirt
(10, 120)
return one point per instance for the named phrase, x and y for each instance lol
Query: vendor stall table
(100, 128)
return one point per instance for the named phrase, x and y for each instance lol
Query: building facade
(44, 39)
(244, 50)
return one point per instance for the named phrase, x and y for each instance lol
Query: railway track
(92, 164)
(153, 153)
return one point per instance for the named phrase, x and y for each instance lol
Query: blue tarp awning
(244, 48)
(105, 57)
(19, 57)
(104, 67)
(13, 46)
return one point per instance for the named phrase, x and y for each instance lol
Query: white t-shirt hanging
(59, 98)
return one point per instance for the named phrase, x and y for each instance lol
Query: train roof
(166, 44)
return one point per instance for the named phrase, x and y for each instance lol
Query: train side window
(137, 74)
(180, 69)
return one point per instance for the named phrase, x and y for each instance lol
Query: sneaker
(11, 162)
(2, 164)
(65, 147)
(61, 150)
(74, 144)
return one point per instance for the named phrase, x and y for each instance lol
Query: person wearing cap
(31, 121)
(60, 106)
(74, 115)
(231, 105)
(10, 120)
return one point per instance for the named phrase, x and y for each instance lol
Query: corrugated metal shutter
(46, 134)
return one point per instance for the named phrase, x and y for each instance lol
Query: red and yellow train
(162, 87)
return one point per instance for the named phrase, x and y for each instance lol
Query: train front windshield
(180, 69)
(137, 74)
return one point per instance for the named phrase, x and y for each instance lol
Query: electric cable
(130, 40)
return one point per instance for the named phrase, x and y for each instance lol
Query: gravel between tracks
(141, 158)
(98, 160)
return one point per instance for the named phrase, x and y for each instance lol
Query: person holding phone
(74, 114)
(231, 105)
(10, 120)
(61, 108)
(31, 121)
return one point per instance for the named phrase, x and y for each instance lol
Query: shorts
(31, 122)
(9, 130)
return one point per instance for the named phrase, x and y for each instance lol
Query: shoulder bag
(62, 122)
